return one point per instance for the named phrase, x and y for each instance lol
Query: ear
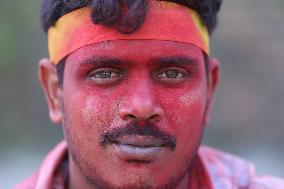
(213, 79)
(53, 93)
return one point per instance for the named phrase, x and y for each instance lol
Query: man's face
(133, 111)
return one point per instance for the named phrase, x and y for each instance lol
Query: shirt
(219, 170)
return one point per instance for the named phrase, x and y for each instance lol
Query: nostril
(154, 117)
(131, 116)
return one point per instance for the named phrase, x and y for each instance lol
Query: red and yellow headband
(164, 21)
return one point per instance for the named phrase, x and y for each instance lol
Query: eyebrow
(100, 60)
(175, 60)
(163, 60)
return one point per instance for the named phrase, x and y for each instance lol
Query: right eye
(105, 75)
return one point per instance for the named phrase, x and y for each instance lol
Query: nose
(140, 104)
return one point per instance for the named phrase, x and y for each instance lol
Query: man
(131, 82)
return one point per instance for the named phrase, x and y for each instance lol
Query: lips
(139, 141)
(136, 148)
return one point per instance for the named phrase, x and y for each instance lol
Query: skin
(110, 84)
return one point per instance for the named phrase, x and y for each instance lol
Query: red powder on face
(141, 123)
(141, 82)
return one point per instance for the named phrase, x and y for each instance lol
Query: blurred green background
(248, 113)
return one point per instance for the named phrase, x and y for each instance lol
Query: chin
(135, 181)
(136, 177)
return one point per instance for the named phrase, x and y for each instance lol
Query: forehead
(136, 50)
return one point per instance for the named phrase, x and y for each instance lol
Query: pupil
(171, 74)
(104, 74)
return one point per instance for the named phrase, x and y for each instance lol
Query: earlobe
(213, 80)
(53, 93)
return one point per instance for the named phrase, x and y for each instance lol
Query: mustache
(135, 128)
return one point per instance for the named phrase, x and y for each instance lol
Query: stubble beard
(96, 181)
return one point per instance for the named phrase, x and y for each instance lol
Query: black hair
(107, 12)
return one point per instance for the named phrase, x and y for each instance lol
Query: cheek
(185, 109)
(184, 112)
(97, 111)
(89, 114)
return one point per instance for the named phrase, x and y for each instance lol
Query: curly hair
(107, 12)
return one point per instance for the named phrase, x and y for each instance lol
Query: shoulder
(226, 170)
(230, 171)
(266, 182)
(49, 172)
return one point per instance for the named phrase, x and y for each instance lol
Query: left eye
(171, 74)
